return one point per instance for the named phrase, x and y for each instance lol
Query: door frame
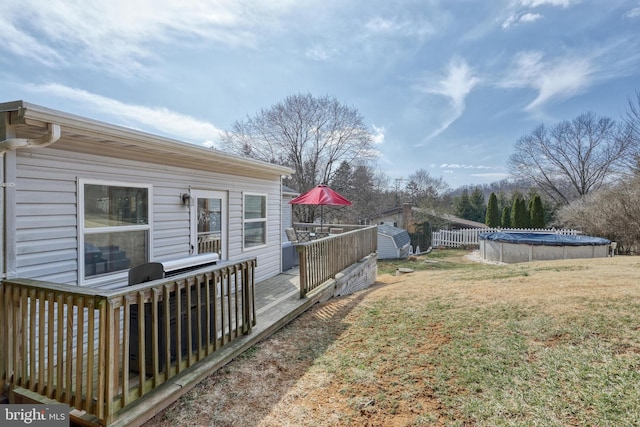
(224, 221)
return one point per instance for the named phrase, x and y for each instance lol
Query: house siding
(46, 210)
(287, 216)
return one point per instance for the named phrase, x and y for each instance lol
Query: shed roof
(80, 134)
(288, 191)
(398, 210)
(399, 236)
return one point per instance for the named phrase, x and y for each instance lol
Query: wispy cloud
(319, 53)
(537, 3)
(530, 17)
(458, 82)
(493, 176)
(20, 43)
(162, 120)
(633, 13)
(514, 19)
(381, 39)
(463, 166)
(522, 11)
(554, 79)
(118, 34)
(399, 27)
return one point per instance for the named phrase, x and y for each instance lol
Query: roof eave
(32, 114)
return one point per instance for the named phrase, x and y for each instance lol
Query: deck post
(110, 372)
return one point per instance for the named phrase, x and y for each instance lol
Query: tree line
(570, 168)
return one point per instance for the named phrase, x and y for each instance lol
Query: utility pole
(398, 183)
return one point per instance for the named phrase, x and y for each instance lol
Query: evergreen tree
(342, 180)
(523, 214)
(492, 218)
(530, 206)
(519, 213)
(515, 208)
(537, 212)
(463, 205)
(505, 220)
(477, 205)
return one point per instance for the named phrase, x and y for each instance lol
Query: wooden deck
(46, 322)
(277, 303)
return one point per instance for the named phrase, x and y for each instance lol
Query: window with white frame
(255, 220)
(115, 227)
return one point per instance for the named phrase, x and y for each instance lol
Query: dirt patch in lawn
(367, 359)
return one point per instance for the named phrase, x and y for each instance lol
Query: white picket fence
(469, 236)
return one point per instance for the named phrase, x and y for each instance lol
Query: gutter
(7, 190)
(3, 223)
(52, 135)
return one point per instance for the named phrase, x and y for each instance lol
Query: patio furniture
(305, 236)
(292, 235)
(321, 232)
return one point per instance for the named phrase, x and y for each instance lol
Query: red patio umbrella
(321, 195)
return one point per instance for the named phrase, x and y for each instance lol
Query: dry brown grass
(378, 357)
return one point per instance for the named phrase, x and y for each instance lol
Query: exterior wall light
(186, 199)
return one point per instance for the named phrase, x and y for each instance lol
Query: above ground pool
(523, 247)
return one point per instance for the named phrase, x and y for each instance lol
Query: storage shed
(393, 242)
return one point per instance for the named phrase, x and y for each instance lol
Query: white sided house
(83, 201)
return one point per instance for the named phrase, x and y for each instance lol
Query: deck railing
(322, 259)
(305, 226)
(100, 351)
(209, 244)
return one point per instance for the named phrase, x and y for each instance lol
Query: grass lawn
(454, 343)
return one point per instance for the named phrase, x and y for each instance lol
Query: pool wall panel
(513, 253)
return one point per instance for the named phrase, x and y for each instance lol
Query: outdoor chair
(291, 235)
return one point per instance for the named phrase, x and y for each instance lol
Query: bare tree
(574, 158)
(632, 120)
(423, 189)
(613, 213)
(311, 135)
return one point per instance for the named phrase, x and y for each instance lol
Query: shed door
(209, 222)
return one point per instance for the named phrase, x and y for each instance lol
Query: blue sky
(448, 86)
